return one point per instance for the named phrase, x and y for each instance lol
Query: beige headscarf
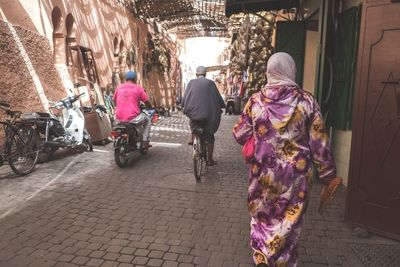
(281, 70)
(281, 90)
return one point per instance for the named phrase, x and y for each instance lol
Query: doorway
(373, 200)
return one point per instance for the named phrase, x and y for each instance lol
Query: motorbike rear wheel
(88, 144)
(87, 141)
(121, 154)
(230, 110)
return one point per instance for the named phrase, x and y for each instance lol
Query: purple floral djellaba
(289, 136)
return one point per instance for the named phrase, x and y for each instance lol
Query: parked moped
(66, 132)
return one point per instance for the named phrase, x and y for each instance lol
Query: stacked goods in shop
(251, 49)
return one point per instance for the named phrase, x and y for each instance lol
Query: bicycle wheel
(24, 150)
(204, 151)
(197, 157)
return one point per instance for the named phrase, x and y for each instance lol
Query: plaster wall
(98, 24)
(310, 61)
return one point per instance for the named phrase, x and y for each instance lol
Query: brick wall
(16, 83)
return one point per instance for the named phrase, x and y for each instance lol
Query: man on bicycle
(127, 98)
(202, 104)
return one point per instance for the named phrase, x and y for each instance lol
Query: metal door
(344, 67)
(290, 38)
(374, 185)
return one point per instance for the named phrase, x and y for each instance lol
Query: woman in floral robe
(289, 136)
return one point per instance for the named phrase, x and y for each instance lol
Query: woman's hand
(328, 193)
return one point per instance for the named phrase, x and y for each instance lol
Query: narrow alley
(317, 83)
(153, 213)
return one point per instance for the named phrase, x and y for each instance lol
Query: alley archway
(58, 36)
(70, 40)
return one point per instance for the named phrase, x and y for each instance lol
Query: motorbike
(232, 104)
(67, 132)
(127, 139)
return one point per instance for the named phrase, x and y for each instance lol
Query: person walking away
(127, 98)
(287, 128)
(203, 102)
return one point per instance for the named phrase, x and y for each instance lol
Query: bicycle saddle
(198, 130)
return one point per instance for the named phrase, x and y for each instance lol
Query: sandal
(146, 145)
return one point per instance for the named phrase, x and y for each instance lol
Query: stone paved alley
(82, 210)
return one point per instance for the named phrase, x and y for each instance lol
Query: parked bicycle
(199, 148)
(21, 142)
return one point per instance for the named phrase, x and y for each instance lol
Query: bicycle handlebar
(14, 113)
(6, 107)
(60, 103)
(77, 97)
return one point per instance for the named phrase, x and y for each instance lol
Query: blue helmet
(130, 76)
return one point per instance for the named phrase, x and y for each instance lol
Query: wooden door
(374, 186)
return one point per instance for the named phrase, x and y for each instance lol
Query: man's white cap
(201, 70)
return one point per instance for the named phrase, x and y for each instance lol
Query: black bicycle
(199, 148)
(21, 142)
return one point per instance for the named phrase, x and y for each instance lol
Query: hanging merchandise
(260, 51)
(160, 58)
(251, 48)
(131, 56)
(245, 76)
(241, 94)
(114, 80)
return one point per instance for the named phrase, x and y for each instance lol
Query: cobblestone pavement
(82, 210)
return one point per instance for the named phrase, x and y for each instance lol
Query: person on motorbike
(203, 102)
(127, 98)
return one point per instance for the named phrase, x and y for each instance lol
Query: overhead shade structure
(187, 18)
(250, 6)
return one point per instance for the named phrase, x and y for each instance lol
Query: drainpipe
(321, 50)
(28, 63)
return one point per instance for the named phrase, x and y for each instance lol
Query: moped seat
(36, 115)
(123, 126)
